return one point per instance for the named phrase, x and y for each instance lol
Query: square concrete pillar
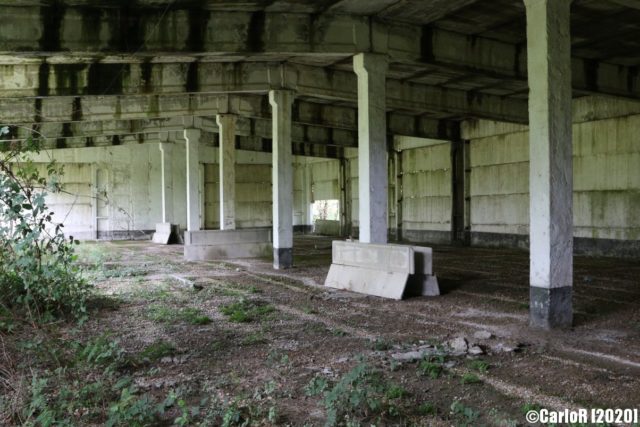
(227, 168)
(192, 137)
(282, 173)
(550, 177)
(372, 146)
(166, 177)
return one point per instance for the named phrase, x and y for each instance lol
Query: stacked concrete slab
(202, 245)
(384, 270)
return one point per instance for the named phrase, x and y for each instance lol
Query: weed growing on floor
(164, 314)
(478, 365)
(86, 385)
(427, 408)
(464, 415)
(470, 378)
(360, 395)
(157, 351)
(257, 409)
(254, 339)
(381, 345)
(244, 311)
(432, 366)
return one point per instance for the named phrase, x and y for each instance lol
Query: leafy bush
(37, 271)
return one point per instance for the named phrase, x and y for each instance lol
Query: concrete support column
(192, 137)
(166, 177)
(372, 146)
(550, 177)
(282, 173)
(227, 167)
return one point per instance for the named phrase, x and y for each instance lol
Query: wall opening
(326, 217)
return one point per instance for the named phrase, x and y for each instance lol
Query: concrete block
(389, 271)
(227, 237)
(164, 231)
(379, 283)
(238, 250)
(423, 260)
(220, 244)
(422, 285)
(379, 257)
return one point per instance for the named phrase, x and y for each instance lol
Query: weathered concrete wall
(606, 171)
(325, 179)
(115, 191)
(253, 191)
(426, 193)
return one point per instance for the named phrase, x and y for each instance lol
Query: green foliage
(530, 407)
(381, 345)
(360, 395)
(133, 410)
(465, 415)
(432, 366)
(316, 386)
(479, 365)
(101, 351)
(469, 378)
(158, 350)
(7, 323)
(259, 409)
(427, 408)
(164, 314)
(244, 311)
(88, 388)
(37, 271)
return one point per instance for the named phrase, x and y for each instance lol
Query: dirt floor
(245, 343)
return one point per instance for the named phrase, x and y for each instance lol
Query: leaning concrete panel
(378, 257)
(371, 282)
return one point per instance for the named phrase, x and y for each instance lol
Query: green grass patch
(158, 350)
(432, 366)
(245, 311)
(470, 378)
(164, 314)
(479, 366)
(427, 408)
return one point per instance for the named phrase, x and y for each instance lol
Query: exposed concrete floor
(596, 364)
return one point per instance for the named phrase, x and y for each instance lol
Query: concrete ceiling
(468, 57)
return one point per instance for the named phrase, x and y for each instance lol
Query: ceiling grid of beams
(69, 61)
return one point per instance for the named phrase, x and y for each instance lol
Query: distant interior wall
(426, 193)
(253, 191)
(116, 190)
(606, 176)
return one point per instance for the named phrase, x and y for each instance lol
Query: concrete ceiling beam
(171, 90)
(86, 35)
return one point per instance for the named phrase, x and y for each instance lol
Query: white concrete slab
(163, 233)
(227, 237)
(378, 257)
(226, 251)
(366, 281)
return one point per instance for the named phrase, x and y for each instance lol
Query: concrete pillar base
(550, 308)
(282, 258)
